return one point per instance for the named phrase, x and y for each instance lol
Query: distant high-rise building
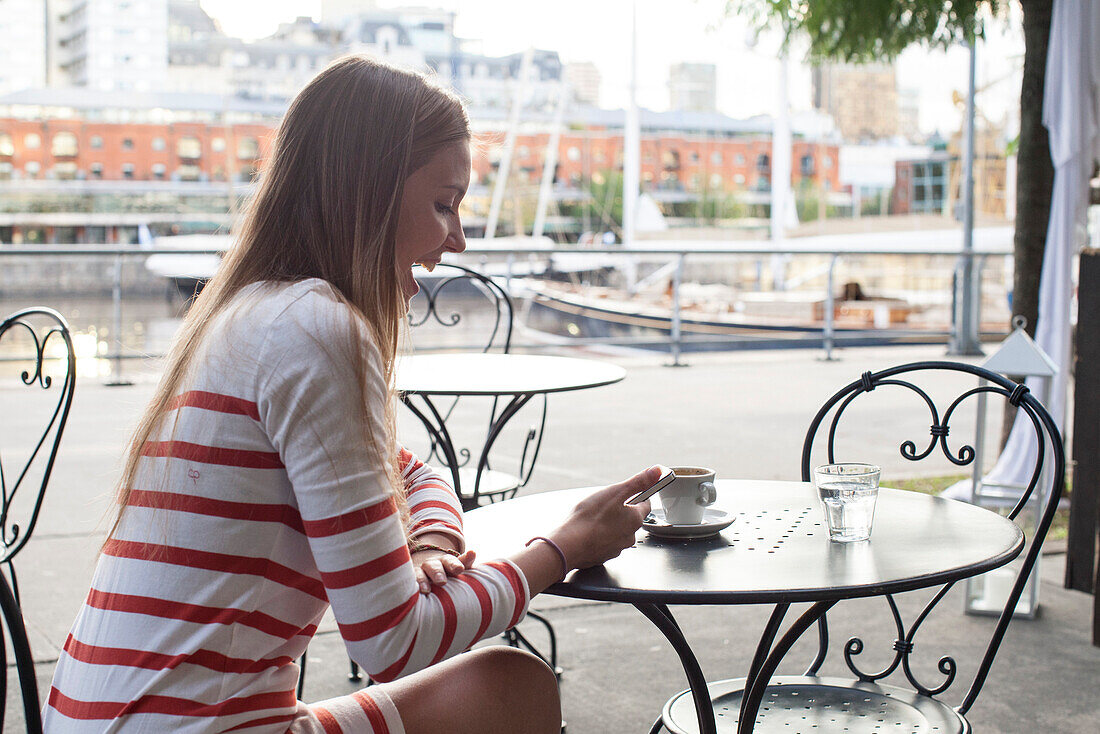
(909, 114)
(111, 45)
(584, 79)
(862, 98)
(693, 87)
(23, 45)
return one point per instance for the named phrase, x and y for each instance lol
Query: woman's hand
(602, 525)
(434, 567)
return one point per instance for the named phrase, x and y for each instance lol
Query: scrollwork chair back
(40, 337)
(460, 309)
(823, 434)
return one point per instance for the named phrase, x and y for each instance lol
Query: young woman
(263, 483)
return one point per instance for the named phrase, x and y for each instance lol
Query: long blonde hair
(326, 207)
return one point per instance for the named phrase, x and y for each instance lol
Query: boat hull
(577, 318)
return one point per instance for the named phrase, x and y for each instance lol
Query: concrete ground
(743, 414)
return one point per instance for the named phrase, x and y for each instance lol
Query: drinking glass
(848, 493)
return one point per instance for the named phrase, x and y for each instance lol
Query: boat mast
(780, 173)
(550, 161)
(509, 146)
(631, 147)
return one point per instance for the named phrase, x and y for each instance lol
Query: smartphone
(666, 477)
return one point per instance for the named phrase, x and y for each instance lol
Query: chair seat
(492, 482)
(812, 705)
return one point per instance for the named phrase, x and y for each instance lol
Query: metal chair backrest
(458, 308)
(42, 337)
(1050, 457)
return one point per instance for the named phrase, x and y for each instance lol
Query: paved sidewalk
(743, 414)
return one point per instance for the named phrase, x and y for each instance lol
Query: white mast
(551, 162)
(781, 172)
(509, 146)
(631, 138)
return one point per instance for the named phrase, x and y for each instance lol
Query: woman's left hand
(433, 567)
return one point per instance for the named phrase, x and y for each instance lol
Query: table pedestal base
(812, 705)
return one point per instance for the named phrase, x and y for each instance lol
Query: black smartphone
(666, 477)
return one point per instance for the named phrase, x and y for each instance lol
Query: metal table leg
(662, 618)
(756, 685)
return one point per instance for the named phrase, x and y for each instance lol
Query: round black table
(516, 377)
(777, 551)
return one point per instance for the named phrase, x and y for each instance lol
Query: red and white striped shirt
(255, 510)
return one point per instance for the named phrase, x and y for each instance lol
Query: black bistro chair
(43, 338)
(460, 309)
(865, 704)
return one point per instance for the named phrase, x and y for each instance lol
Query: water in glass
(849, 509)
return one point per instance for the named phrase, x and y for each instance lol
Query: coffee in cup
(686, 498)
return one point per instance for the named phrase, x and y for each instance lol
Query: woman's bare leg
(492, 689)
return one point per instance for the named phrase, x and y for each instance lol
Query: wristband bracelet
(557, 549)
(431, 546)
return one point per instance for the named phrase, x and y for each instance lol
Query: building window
(97, 170)
(159, 144)
(65, 171)
(7, 145)
(694, 156)
(127, 143)
(217, 145)
(739, 159)
(827, 162)
(806, 165)
(763, 163)
(63, 145)
(96, 142)
(716, 180)
(574, 153)
(32, 168)
(188, 173)
(128, 170)
(158, 171)
(32, 140)
(6, 171)
(189, 147)
(739, 179)
(248, 149)
(716, 158)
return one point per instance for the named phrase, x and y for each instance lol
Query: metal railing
(479, 258)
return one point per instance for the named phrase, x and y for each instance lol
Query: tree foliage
(868, 30)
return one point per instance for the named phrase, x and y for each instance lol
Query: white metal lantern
(1018, 356)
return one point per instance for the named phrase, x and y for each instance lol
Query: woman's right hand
(601, 526)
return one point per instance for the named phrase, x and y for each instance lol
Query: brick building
(69, 149)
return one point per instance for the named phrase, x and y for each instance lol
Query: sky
(695, 31)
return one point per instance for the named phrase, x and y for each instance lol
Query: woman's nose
(456, 241)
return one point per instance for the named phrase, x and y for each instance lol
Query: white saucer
(714, 522)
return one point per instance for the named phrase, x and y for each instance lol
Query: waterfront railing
(510, 265)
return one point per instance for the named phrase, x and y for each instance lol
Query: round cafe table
(776, 552)
(514, 377)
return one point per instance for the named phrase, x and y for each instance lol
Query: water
(849, 509)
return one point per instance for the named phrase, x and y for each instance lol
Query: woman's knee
(509, 669)
(497, 689)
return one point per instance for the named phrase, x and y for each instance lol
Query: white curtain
(1070, 115)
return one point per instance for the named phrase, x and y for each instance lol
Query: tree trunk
(1034, 170)
(1034, 176)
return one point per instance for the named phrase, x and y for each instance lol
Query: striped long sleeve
(433, 505)
(256, 506)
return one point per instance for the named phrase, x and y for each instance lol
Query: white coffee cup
(687, 497)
